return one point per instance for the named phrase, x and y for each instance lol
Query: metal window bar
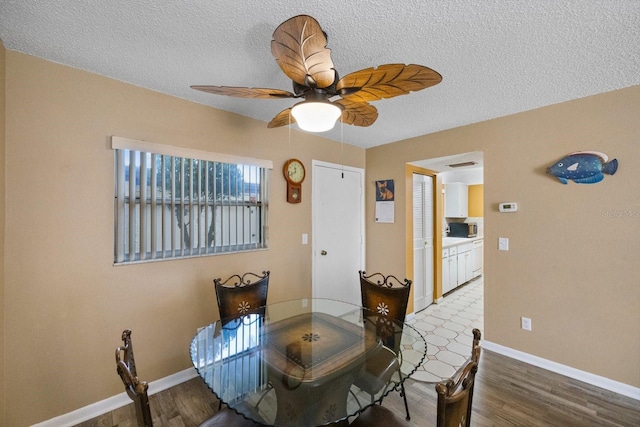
(200, 228)
(207, 216)
(120, 207)
(169, 207)
(163, 204)
(132, 205)
(217, 216)
(193, 211)
(226, 184)
(143, 206)
(154, 206)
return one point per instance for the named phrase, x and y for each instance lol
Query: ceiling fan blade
(299, 46)
(246, 92)
(357, 113)
(283, 118)
(386, 81)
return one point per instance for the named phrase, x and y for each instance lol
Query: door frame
(438, 200)
(314, 231)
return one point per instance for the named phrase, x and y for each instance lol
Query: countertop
(453, 241)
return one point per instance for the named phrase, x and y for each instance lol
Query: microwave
(463, 229)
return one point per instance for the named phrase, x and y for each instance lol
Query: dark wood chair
(384, 302)
(455, 397)
(136, 389)
(240, 295)
(226, 417)
(475, 348)
(378, 415)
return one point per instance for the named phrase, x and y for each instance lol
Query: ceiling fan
(299, 46)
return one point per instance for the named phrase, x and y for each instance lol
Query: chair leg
(404, 396)
(356, 398)
(269, 388)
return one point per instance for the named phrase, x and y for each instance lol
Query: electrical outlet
(525, 323)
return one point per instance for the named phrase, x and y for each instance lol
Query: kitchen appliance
(463, 229)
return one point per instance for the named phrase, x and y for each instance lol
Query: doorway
(338, 231)
(467, 168)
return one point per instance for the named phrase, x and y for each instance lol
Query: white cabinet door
(446, 280)
(453, 268)
(462, 269)
(465, 265)
(456, 197)
(468, 266)
(477, 257)
(445, 275)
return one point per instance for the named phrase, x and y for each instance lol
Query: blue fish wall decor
(583, 167)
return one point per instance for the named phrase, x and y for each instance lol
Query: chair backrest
(385, 298)
(136, 389)
(455, 397)
(475, 348)
(240, 295)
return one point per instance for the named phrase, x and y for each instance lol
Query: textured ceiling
(497, 57)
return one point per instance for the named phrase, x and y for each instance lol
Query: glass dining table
(294, 363)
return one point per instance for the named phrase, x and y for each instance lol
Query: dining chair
(225, 417)
(455, 397)
(384, 302)
(239, 295)
(475, 347)
(378, 415)
(136, 389)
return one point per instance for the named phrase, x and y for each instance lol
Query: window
(175, 203)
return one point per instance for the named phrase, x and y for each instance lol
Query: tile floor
(447, 328)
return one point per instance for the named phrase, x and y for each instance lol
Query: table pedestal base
(329, 400)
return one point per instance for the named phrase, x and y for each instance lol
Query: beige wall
(572, 267)
(2, 226)
(68, 303)
(573, 262)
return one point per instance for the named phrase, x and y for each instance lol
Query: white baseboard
(112, 403)
(586, 377)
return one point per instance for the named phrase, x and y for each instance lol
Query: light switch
(503, 243)
(305, 238)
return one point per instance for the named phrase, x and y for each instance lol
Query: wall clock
(294, 173)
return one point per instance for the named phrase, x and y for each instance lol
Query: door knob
(323, 252)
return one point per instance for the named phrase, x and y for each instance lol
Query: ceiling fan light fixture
(316, 116)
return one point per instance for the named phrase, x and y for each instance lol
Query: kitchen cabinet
(477, 257)
(461, 261)
(449, 269)
(465, 264)
(456, 200)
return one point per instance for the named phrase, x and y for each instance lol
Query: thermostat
(508, 207)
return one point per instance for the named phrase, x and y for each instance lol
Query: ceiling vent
(463, 164)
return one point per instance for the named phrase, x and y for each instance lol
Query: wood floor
(507, 393)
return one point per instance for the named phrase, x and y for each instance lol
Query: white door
(422, 241)
(338, 231)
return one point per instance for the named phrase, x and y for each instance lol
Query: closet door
(422, 241)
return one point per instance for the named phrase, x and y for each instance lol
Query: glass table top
(294, 363)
